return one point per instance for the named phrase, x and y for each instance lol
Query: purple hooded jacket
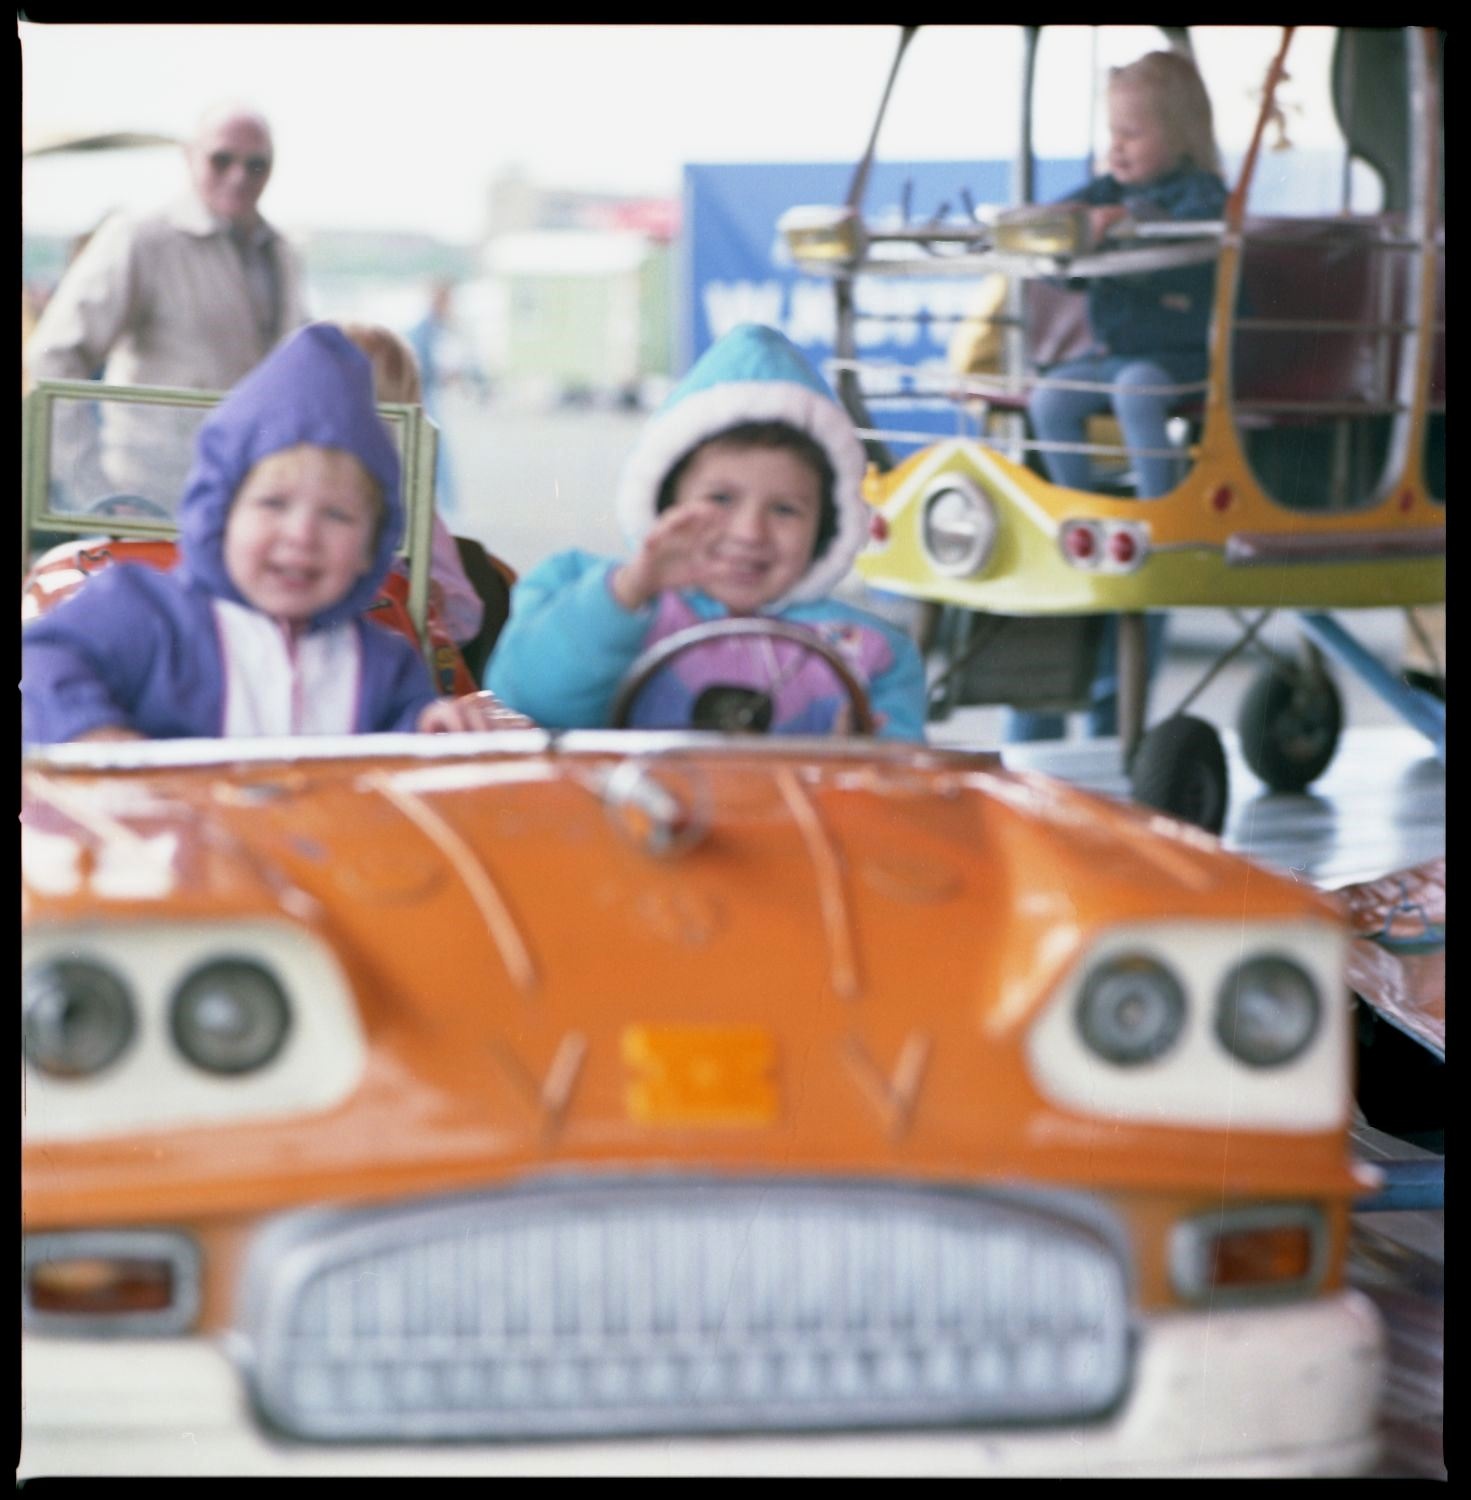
(142, 649)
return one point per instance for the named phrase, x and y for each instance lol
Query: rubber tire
(1179, 768)
(1286, 752)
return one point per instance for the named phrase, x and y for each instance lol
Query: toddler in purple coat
(287, 529)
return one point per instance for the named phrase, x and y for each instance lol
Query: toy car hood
(573, 959)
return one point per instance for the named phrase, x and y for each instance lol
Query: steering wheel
(139, 507)
(748, 627)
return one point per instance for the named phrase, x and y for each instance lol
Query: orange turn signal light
(91, 1286)
(1259, 1257)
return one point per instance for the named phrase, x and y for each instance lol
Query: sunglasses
(222, 161)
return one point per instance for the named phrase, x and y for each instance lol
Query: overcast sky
(403, 126)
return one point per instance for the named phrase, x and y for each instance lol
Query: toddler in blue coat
(742, 497)
(287, 529)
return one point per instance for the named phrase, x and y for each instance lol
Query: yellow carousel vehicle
(663, 1101)
(1316, 448)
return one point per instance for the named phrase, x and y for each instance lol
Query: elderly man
(194, 295)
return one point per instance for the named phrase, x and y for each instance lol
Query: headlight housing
(230, 1016)
(1042, 229)
(222, 1027)
(79, 1017)
(1267, 1011)
(820, 236)
(1131, 1010)
(957, 526)
(1201, 1021)
(1104, 546)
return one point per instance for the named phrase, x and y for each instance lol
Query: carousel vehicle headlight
(821, 235)
(1131, 1010)
(78, 1017)
(230, 1016)
(1268, 1011)
(1055, 229)
(958, 527)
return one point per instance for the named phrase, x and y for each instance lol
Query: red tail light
(1080, 541)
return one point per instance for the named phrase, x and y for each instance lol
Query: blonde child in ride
(1150, 331)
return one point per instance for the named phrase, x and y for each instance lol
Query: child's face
(765, 505)
(1139, 148)
(300, 532)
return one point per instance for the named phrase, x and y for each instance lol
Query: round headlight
(1268, 1011)
(958, 528)
(78, 1017)
(1131, 1011)
(230, 1016)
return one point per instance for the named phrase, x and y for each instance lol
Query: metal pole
(1023, 179)
(1407, 1186)
(845, 341)
(860, 175)
(1133, 679)
(1419, 710)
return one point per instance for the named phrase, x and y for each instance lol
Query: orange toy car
(650, 1102)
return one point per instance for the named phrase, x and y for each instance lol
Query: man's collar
(189, 214)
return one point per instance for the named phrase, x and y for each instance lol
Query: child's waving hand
(668, 559)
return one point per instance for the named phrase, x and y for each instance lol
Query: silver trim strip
(1252, 548)
(505, 744)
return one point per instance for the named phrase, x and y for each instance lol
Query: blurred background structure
(602, 200)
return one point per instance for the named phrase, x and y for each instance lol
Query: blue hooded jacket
(569, 642)
(143, 649)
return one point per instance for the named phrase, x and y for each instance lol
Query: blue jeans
(1061, 416)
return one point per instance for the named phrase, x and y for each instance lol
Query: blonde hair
(1176, 93)
(395, 369)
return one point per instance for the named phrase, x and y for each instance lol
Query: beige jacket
(153, 299)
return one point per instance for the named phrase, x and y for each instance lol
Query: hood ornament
(661, 809)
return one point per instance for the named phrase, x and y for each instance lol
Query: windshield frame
(415, 435)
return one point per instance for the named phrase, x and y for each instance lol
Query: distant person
(742, 498)
(194, 295)
(1150, 331)
(444, 363)
(396, 379)
(287, 530)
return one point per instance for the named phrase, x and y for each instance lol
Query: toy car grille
(683, 1307)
